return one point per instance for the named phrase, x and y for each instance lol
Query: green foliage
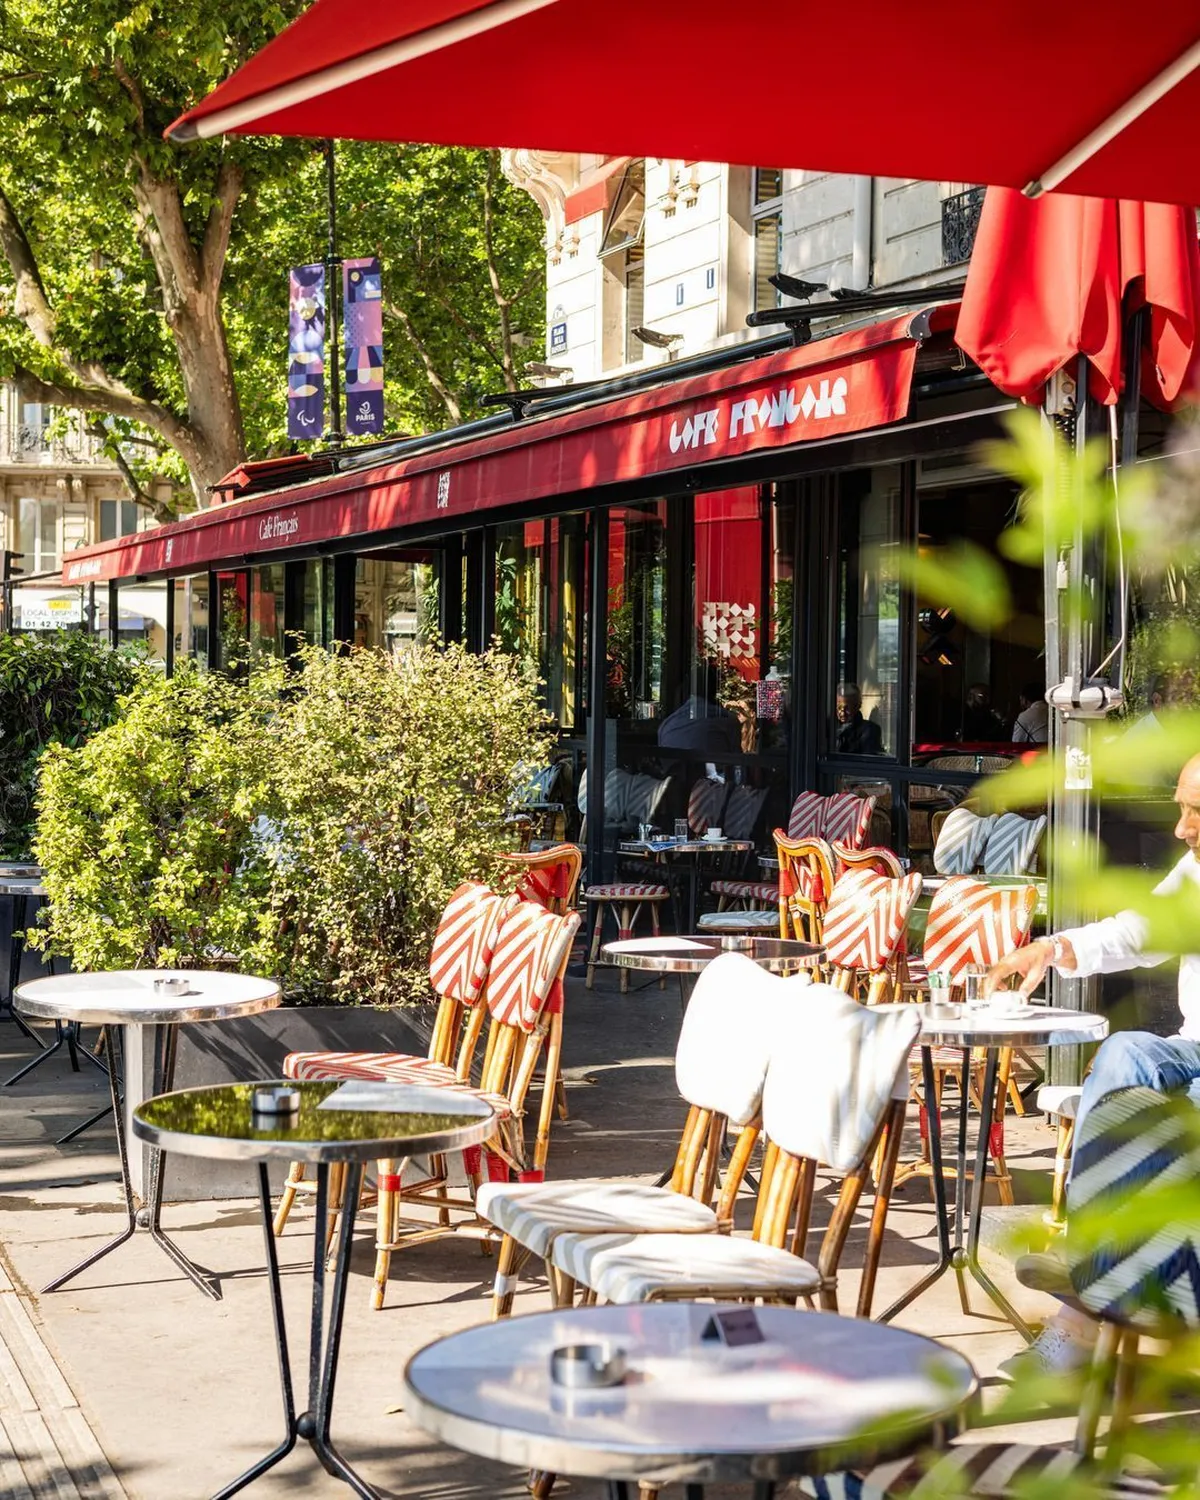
(54, 690)
(309, 822)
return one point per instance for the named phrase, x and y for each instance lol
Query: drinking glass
(973, 984)
(681, 828)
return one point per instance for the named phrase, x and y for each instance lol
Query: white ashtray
(588, 1366)
(276, 1101)
(173, 984)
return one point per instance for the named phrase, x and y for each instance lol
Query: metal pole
(333, 268)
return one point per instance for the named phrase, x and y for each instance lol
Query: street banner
(362, 315)
(306, 352)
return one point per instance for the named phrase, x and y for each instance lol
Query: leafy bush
(310, 822)
(54, 689)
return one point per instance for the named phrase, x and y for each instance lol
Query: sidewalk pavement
(130, 1383)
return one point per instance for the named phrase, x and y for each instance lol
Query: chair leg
(656, 929)
(541, 1146)
(1003, 1176)
(337, 1184)
(1057, 1218)
(594, 950)
(385, 1234)
(626, 917)
(294, 1179)
(508, 1270)
(886, 1159)
(1099, 1378)
(1122, 1408)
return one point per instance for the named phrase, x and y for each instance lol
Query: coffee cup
(714, 835)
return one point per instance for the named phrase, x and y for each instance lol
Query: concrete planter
(254, 1047)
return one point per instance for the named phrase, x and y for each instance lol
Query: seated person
(855, 735)
(981, 722)
(1032, 725)
(1127, 1059)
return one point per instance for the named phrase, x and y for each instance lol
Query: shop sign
(45, 612)
(88, 567)
(278, 527)
(782, 407)
(558, 338)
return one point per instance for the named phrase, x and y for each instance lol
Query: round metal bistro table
(221, 1122)
(785, 1393)
(692, 954)
(127, 997)
(965, 1029)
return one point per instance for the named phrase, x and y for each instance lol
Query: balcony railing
(960, 220)
(23, 444)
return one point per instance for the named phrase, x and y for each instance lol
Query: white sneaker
(1058, 1349)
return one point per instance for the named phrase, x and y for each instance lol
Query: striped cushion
(807, 816)
(531, 951)
(630, 891)
(1012, 844)
(847, 819)
(1132, 1227)
(386, 1067)
(974, 924)
(972, 1468)
(866, 918)
(961, 842)
(536, 1213)
(639, 1268)
(465, 940)
(739, 921)
(746, 890)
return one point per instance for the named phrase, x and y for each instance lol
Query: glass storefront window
(538, 610)
(865, 712)
(316, 601)
(191, 619)
(268, 610)
(233, 618)
(396, 600)
(141, 616)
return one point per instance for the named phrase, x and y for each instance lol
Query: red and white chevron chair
(872, 857)
(971, 925)
(805, 886)
(626, 900)
(459, 961)
(532, 947)
(843, 818)
(863, 932)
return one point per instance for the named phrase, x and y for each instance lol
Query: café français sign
(782, 407)
(278, 526)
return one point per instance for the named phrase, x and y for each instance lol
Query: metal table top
(689, 955)
(684, 846)
(127, 997)
(1037, 1025)
(220, 1122)
(690, 1410)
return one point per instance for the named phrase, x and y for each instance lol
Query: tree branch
(86, 398)
(164, 228)
(400, 314)
(231, 181)
(32, 305)
(112, 450)
(130, 85)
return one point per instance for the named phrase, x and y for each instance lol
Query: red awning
(846, 383)
(592, 195)
(1103, 101)
(1052, 279)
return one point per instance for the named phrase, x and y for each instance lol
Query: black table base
(325, 1337)
(149, 1215)
(960, 1254)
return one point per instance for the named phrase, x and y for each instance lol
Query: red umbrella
(1102, 101)
(1052, 279)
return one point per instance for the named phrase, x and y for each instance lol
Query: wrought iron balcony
(960, 220)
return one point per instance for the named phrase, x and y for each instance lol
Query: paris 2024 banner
(362, 317)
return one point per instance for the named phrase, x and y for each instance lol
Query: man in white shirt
(1032, 726)
(1128, 1058)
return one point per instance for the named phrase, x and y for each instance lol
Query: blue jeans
(1171, 1065)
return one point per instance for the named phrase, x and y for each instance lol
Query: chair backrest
(728, 1034)
(961, 840)
(531, 953)
(874, 857)
(706, 802)
(1133, 1226)
(843, 817)
(550, 877)
(1012, 844)
(805, 883)
(866, 918)
(465, 941)
(973, 924)
(833, 1074)
(742, 811)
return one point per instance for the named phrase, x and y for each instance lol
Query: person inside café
(1127, 1059)
(855, 735)
(1032, 724)
(981, 723)
(701, 725)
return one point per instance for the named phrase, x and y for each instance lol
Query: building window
(621, 243)
(635, 302)
(37, 535)
(117, 518)
(32, 439)
(766, 212)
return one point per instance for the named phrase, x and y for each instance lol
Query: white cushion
(637, 1268)
(961, 842)
(728, 1033)
(740, 921)
(834, 1070)
(536, 1213)
(1060, 1099)
(1012, 843)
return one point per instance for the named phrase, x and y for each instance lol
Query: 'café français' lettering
(782, 407)
(277, 527)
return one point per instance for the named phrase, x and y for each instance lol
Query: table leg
(166, 1045)
(933, 1125)
(101, 1114)
(20, 910)
(324, 1338)
(957, 1258)
(987, 1104)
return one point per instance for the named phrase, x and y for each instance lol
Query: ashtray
(173, 985)
(588, 1366)
(276, 1101)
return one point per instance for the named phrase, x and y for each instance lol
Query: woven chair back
(866, 918)
(972, 924)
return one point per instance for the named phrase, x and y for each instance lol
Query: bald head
(1187, 796)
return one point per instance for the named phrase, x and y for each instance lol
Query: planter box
(254, 1048)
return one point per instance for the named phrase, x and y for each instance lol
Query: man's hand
(1031, 963)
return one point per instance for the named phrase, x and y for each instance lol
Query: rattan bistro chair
(720, 1068)
(864, 929)
(836, 1089)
